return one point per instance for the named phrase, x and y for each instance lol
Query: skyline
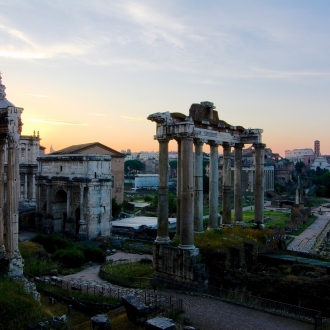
(92, 72)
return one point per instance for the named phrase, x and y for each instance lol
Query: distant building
(117, 163)
(317, 148)
(74, 195)
(29, 150)
(320, 162)
(297, 155)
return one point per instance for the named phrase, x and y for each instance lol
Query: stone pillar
(198, 191)
(2, 192)
(12, 193)
(68, 199)
(259, 184)
(214, 187)
(178, 189)
(226, 185)
(33, 187)
(238, 200)
(25, 186)
(162, 221)
(49, 208)
(81, 202)
(187, 195)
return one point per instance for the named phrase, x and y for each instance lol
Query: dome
(4, 103)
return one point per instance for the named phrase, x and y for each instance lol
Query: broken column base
(258, 225)
(178, 269)
(12, 264)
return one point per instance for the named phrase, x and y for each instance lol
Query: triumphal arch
(201, 126)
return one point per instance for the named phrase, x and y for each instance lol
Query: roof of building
(76, 149)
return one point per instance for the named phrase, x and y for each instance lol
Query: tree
(133, 165)
(116, 208)
(299, 166)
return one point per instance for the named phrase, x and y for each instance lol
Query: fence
(158, 303)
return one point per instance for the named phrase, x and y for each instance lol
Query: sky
(92, 71)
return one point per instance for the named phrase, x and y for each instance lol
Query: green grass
(212, 240)
(134, 269)
(277, 219)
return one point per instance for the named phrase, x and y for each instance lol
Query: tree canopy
(133, 165)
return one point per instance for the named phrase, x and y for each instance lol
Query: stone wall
(173, 265)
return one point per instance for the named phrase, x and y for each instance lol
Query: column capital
(13, 140)
(198, 141)
(259, 145)
(213, 143)
(163, 139)
(239, 145)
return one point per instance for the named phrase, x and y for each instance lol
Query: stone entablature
(74, 195)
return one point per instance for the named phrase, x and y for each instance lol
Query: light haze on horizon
(92, 71)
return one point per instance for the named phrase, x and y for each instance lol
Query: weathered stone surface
(175, 264)
(136, 310)
(100, 322)
(160, 323)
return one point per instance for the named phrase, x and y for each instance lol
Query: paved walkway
(307, 239)
(210, 314)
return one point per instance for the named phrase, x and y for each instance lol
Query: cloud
(95, 114)
(133, 118)
(37, 95)
(57, 122)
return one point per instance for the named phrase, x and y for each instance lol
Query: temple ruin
(11, 261)
(201, 126)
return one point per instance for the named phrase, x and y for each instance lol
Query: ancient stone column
(178, 189)
(259, 184)
(214, 187)
(198, 191)
(2, 192)
(187, 195)
(25, 186)
(238, 200)
(12, 193)
(226, 185)
(68, 199)
(49, 208)
(162, 221)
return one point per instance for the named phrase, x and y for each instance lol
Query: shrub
(92, 253)
(53, 242)
(73, 258)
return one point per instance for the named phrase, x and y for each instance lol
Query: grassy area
(212, 240)
(275, 218)
(134, 269)
(316, 201)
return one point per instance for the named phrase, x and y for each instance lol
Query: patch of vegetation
(275, 218)
(17, 308)
(212, 240)
(316, 201)
(66, 256)
(134, 269)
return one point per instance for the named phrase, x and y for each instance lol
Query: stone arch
(59, 209)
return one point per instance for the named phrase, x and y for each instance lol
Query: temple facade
(202, 126)
(74, 195)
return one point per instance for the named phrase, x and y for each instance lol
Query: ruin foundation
(178, 268)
